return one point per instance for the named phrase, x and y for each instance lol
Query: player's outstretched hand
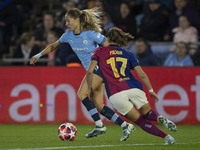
(33, 60)
(154, 96)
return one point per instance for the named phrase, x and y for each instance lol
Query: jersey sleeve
(64, 38)
(134, 61)
(95, 55)
(98, 37)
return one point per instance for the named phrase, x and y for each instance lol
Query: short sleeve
(64, 38)
(134, 61)
(98, 37)
(95, 54)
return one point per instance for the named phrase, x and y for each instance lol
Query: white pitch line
(72, 147)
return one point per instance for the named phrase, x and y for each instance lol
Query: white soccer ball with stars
(67, 132)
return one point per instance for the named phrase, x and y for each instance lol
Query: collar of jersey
(114, 45)
(77, 34)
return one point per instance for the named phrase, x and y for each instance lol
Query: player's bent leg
(99, 89)
(98, 101)
(123, 107)
(92, 109)
(145, 109)
(147, 113)
(105, 110)
(132, 115)
(150, 128)
(167, 123)
(151, 115)
(83, 90)
(83, 96)
(139, 100)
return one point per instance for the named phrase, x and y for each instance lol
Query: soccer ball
(67, 132)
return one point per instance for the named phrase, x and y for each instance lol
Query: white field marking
(94, 146)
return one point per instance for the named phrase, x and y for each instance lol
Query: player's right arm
(135, 65)
(47, 50)
(146, 82)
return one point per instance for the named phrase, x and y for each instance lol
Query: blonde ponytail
(89, 18)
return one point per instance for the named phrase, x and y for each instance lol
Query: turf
(38, 137)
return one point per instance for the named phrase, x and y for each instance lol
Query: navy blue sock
(111, 115)
(91, 109)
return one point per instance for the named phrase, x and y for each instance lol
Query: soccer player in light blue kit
(84, 37)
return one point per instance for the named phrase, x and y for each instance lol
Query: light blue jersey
(83, 44)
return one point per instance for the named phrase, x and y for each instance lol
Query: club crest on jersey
(85, 41)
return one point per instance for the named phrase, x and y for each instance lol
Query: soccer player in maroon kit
(123, 90)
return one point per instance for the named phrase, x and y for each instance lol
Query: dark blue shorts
(98, 72)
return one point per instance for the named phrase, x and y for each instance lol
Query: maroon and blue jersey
(115, 64)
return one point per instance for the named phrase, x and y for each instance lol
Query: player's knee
(145, 109)
(97, 89)
(81, 96)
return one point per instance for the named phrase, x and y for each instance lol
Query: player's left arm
(146, 82)
(89, 77)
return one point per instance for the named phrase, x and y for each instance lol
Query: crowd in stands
(27, 27)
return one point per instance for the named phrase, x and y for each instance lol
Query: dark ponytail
(116, 35)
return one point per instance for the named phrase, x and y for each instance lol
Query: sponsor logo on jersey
(79, 49)
(123, 79)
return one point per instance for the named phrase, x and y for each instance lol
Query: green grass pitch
(44, 137)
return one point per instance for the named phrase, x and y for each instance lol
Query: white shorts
(124, 101)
